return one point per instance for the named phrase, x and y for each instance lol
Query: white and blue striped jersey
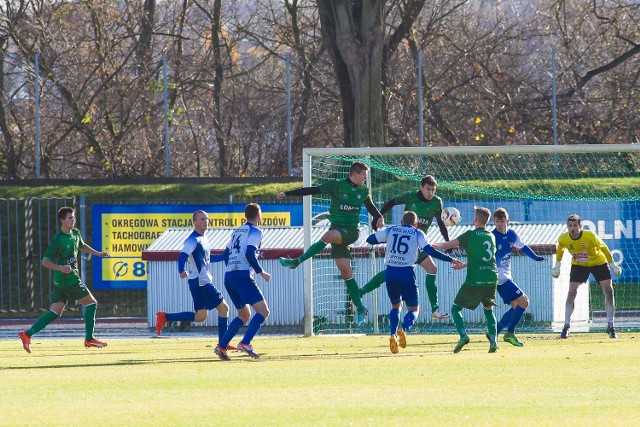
(198, 251)
(504, 243)
(404, 243)
(245, 236)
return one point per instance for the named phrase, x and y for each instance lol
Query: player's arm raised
(302, 191)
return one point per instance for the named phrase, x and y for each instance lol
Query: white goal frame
(309, 153)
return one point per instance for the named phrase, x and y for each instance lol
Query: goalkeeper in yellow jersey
(590, 256)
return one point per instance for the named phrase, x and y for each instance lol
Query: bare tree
(486, 79)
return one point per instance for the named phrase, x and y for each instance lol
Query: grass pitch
(588, 379)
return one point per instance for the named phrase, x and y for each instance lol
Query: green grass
(160, 192)
(264, 190)
(571, 188)
(585, 380)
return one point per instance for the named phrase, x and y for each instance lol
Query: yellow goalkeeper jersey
(588, 251)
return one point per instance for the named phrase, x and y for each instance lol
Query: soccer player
(61, 256)
(347, 197)
(427, 206)
(403, 244)
(590, 255)
(509, 291)
(482, 277)
(196, 250)
(242, 261)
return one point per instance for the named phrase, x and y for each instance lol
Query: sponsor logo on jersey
(580, 257)
(349, 208)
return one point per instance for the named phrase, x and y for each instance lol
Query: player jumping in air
(347, 197)
(427, 206)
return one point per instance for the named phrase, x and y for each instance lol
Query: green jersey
(425, 211)
(63, 250)
(346, 201)
(481, 257)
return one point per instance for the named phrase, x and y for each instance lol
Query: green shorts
(349, 236)
(69, 293)
(421, 257)
(471, 296)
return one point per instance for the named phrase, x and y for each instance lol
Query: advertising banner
(126, 230)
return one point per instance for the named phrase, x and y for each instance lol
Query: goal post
(540, 186)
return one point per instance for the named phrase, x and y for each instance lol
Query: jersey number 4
(236, 244)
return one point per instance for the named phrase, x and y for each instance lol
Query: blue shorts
(509, 292)
(401, 285)
(206, 296)
(242, 288)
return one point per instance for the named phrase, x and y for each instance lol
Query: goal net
(539, 186)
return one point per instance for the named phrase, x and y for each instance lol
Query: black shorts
(580, 273)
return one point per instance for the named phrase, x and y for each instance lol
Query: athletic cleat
(461, 343)
(565, 332)
(361, 318)
(161, 320)
(246, 348)
(26, 341)
(611, 331)
(402, 338)
(493, 343)
(439, 314)
(231, 348)
(288, 262)
(393, 344)
(511, 338)
(221, 352)
(94, 343)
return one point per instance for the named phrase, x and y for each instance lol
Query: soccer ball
(451, 216)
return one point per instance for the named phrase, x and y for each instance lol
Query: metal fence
(26, 226)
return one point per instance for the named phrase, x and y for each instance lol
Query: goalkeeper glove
(555, 271)
(617, 270)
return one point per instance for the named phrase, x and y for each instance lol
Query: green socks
(354, 293)
(373, 284)
(42, 322)
(491, 322)
(456, 314)
(432, 291)
(313, 250)
(89, 320)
